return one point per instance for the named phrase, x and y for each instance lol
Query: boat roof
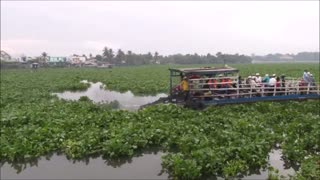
(205, 70)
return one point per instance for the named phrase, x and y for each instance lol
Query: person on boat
(239, 81)
(185, 88)
(253, 77)
(278, 83)
(309, 77)
(212, 83)
(220, 82)
(306, 76)
(282, 83)
(272, 81)
(206, 83)
(258, 78)
(271, 84)
(313, 82)
(228, 83)
(266, 78)
(283, 80)
(254, 85)
(248, 80)
(252, 82)
(302, 86)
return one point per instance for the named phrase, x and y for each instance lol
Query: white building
(56, 59)
(75, 59)
(286, 57)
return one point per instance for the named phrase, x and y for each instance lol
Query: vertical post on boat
(274, 90)
(238, 85)
(170, 89)
(286, 88)
(308, 88)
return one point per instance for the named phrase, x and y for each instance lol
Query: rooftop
(205, 70)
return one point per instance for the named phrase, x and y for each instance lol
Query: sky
(63, 28)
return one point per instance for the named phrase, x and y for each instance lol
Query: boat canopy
(204, 70)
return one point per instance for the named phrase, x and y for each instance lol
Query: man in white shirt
(258, 78)
(306, 76)
(272, 81)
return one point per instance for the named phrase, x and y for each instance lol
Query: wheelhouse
(200, 79)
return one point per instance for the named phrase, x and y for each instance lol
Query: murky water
(97, 93)
(147, 166)
(277, 162)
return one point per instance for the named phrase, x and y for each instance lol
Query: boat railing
(236, 90)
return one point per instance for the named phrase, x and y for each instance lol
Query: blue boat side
(258, 99)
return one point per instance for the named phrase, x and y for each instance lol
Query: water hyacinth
(219, 141)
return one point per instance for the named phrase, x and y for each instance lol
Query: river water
(99, 94)
(147, 166)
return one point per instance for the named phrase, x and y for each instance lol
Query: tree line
(131, 58)
(301, 56)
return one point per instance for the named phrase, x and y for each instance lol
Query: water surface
(147, 166)
(98, 93)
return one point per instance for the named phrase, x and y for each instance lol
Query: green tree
(99, 57)
(44, 56)
(108, 54)
(149, 57)
(129, 58)
(120, 57)
(111, 56)
(156, 56)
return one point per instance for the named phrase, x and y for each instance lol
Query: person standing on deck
(258, 78)
(185, 88)
(272, 81)
(266, 79)
(313, 82)
(239, 81)
(306, 76)
(283, 80)
(252, 82)
(283, 83)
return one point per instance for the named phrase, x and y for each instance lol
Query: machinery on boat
(220, 86)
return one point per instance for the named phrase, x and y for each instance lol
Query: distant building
(56, 59)
(90, 63)
(104, 65)
(29, 58)
(76, 59)
(5, 56)
(286, 57)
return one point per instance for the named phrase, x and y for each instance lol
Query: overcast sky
(83, 27)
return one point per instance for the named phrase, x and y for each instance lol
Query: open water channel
(144, 166)
(99, 94)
